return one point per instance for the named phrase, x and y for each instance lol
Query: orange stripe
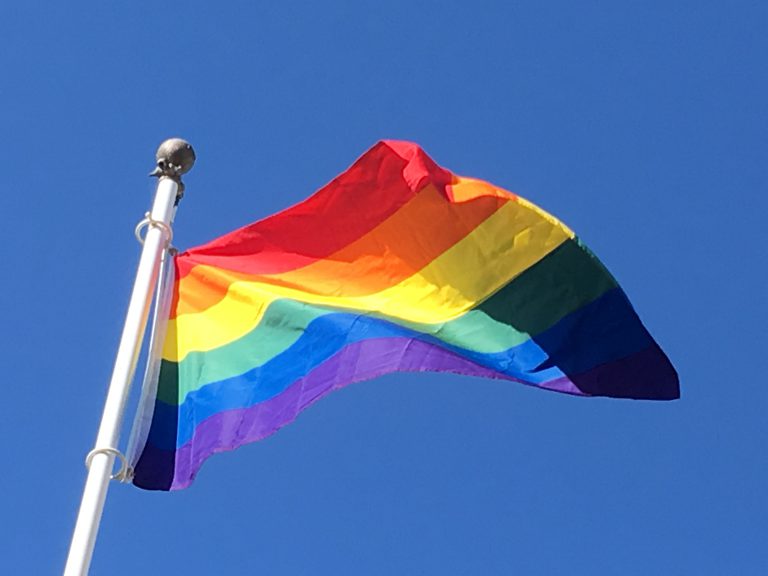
(396, 249)
(378, 184)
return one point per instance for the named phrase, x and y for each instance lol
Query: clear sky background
(642, 125)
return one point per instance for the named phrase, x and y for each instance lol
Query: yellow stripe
(513, 238)
(386, 255)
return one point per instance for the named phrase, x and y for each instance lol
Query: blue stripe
(603, 331)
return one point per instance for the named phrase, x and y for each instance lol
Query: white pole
(101, 459)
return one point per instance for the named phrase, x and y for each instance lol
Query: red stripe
(380, 182)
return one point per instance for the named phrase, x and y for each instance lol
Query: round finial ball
(175, 157)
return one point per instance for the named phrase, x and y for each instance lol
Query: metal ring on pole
(124, 474)
(149, 221)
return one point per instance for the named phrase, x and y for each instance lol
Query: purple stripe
(646, 374)
(360, 361)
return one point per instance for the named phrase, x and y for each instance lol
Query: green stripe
(562, 282)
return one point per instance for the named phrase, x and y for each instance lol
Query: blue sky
(640, 124)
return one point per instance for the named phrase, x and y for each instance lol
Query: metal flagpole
(174, 158)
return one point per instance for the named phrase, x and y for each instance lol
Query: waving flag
(396, 265)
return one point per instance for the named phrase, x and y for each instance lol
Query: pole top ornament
(174, 158)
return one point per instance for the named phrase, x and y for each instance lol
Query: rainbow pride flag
(396, 265)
